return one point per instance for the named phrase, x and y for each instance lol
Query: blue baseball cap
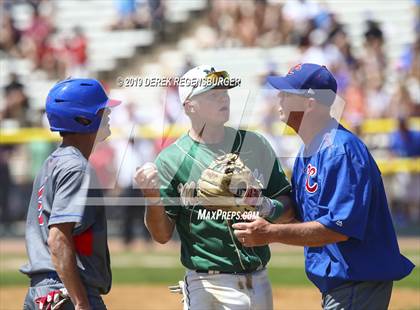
(308, 80)
(72, 99)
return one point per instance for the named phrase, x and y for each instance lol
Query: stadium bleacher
(105, 47)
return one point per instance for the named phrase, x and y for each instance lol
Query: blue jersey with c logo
(337, 183)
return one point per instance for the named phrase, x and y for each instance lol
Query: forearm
(158, 223)
(288, 215)
(64, 259)
(312, 234)
(277, 210)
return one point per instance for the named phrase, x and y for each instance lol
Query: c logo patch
(295, 68)
(311, 172)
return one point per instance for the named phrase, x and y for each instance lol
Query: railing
(368, 127)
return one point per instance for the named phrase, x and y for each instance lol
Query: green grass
(12, 278)
(412, 281)
(288, 277)
(164, 268)
(167, 276)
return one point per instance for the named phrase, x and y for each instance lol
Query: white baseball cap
(206, 74)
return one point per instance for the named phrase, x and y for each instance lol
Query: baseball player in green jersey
(184, 184)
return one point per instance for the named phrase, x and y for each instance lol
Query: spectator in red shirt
(35, 37)
(76, 50)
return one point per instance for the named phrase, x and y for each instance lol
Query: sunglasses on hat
(212, 77)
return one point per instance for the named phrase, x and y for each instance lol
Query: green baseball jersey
(206, 243)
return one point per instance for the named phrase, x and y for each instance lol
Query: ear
(189, 106)
(310, 104)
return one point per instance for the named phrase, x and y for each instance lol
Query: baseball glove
(228, 184)
(53, 300)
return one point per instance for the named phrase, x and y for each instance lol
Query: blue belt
(38, 277)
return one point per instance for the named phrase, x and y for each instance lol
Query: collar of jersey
(316, 143)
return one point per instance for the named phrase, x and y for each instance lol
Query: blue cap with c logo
(308, 80)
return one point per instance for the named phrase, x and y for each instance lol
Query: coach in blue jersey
(351, 249)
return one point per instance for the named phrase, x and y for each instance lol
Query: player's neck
(84, 143)
(205, 133)
(310, 129)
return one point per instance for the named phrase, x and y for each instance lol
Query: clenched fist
(147, 179)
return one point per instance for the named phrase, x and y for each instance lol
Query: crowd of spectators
(320, 37)
(57, 54)
(362, 74)
(64, 53)
(138, 14)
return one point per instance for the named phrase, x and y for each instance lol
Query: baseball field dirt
(141, 276)
(131, 297)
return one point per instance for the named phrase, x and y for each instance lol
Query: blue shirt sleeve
(346, 194)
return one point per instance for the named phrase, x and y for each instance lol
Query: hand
(256, 233)
(147, 179)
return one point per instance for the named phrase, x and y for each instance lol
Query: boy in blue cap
(351, 249)
(66, 241)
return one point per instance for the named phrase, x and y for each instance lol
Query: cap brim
(231, 85)
(226, 87)
(281, 83)
(199, 91)
(113, 103)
